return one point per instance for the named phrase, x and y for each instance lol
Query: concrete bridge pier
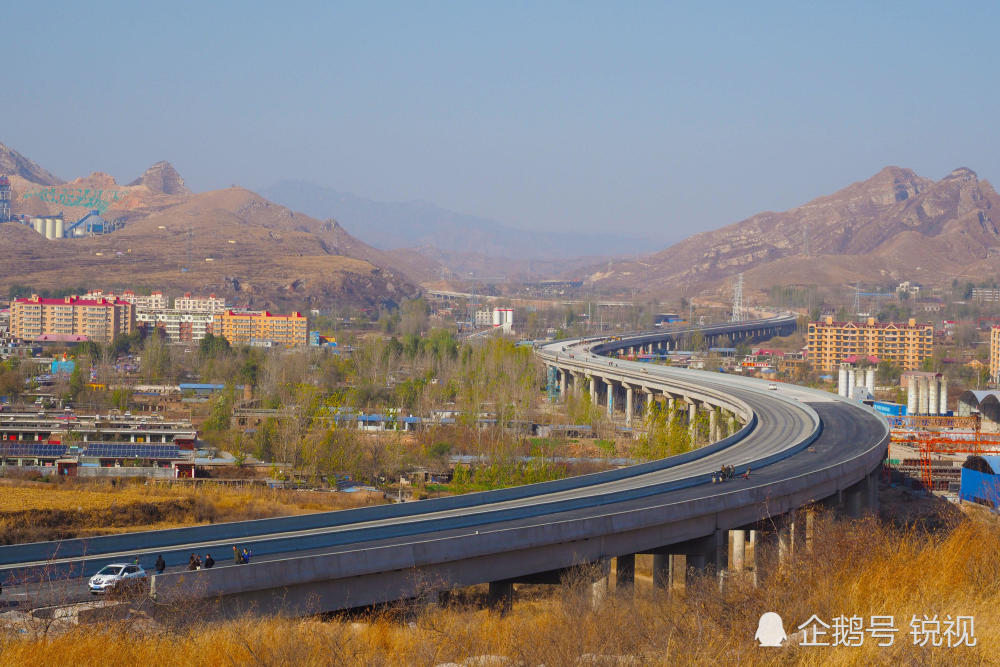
(610, 384)
(592, 382)
(562, 385)
(650, 402)
(737, 550)
(501, 596)
(629, 404)
(713, 426)
(625, 573)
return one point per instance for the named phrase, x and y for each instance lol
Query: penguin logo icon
(770, 630)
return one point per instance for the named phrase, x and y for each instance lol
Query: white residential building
(199, 304)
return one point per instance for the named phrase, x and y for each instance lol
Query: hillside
(894, 226)
(232, 242)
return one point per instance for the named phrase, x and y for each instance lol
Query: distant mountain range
(420, 224)
(895, 225)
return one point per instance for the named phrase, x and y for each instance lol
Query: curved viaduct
(804, 447)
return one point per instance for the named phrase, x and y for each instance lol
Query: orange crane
(946, 442)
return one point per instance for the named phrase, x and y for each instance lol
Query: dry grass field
(36, 511)
(860, 569)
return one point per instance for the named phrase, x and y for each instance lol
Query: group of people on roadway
(728, 472)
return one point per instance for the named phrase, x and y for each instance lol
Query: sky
(659, 119)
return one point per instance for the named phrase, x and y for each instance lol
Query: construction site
(938, 448)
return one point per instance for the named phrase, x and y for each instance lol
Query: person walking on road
(161, 564)
(209, 561)
(237, 557)
(246, 555)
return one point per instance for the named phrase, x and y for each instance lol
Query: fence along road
(803, 446)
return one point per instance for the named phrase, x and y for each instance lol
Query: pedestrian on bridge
(237, 557)
(161, 564)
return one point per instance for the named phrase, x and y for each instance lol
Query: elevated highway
(803, 447)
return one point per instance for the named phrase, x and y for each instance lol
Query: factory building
(906, 345)
(262, 328)
(97, 319)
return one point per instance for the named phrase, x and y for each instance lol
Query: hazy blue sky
(655, 117)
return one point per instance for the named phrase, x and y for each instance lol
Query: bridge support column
(501, 596)
(593, 389)
(662, 578)
(713, 426)
(650, 403)
(784, 538)
(629, 404)
(610, 397)
(738, 549)
(562, 386)
(625, 573)
(873, 478)
(855, 499)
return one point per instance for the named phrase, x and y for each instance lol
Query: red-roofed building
(98, 319)
(262, 328)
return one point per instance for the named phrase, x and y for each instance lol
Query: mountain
(232, 242)
(895, 225)
(13, 163)
(419, 224)
(162, 178)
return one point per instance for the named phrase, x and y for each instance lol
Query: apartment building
(985, 295)
(906, 345)
(995, 353)
(180, 326)
(98, 319)
(262, 328)
(153, 301)
(200, 304)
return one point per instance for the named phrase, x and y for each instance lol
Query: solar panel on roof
(32, 449)
(132, 450)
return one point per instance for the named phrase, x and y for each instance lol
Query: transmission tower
(739, 314)
(857, 298)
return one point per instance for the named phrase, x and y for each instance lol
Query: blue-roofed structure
(980, 481)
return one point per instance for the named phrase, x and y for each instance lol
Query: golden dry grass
(33, 511)
(863, 568)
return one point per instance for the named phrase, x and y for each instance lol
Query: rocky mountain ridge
(895, 224)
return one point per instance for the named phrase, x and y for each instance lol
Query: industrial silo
(59, 228)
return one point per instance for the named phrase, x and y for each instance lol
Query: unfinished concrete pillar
(562, 385)
(713, 426)
(593, 389)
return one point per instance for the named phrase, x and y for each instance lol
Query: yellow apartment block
(995, 353)
(97, 319)
(262, 328)
(905, 345)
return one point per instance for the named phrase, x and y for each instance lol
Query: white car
(116, 575)
(772, 387)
